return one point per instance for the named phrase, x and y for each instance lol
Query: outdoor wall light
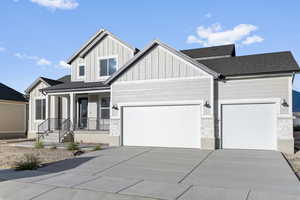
(284, 103)
(115, 107)
(206, 104)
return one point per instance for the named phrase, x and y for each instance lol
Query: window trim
(104, 108)
(79, 65)
(103, 58)
(35, 119)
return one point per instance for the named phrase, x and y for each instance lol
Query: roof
(49, 82)
(211, 52)
(7, 93)
(93, 41)
(296, 101)
(65, 79)
(77, 86)
(278, 62)
(151, 46)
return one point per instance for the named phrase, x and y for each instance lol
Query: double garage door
(244, 126)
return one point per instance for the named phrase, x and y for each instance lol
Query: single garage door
(249, 126)
(162, 126)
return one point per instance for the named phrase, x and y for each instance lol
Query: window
(81, 70)
(108, 66)
(105, 108)
(40, 109)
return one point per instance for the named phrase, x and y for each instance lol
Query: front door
(83, 113)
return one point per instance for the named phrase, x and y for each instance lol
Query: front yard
(9, 155)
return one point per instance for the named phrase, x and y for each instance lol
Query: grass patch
(72, 146)
(29, 162)
(97, 148)
(39, 145)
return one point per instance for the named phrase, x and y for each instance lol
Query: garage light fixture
(115, 107)
(284, 103)
(206, 104)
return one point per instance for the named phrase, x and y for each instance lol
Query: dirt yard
(294, 161)
(9, 155)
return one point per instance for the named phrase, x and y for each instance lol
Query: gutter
(75, 89)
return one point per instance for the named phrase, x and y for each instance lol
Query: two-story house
(198, 98)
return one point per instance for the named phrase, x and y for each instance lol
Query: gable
(160, 63)
(106, 47)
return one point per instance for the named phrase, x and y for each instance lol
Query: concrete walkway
(157, 173)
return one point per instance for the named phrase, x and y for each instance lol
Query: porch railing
(50, 125)
(92, 124)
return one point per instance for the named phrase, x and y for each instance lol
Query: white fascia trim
(76, 92)
(162, 80)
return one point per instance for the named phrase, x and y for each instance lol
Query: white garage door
(249, 126)
(162, 126)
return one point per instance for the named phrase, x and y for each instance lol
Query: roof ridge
(207, 47)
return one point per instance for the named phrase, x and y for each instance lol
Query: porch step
(50, 137)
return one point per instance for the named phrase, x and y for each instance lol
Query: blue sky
(38, 35)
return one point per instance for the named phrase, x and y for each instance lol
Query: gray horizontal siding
(159, 63)
(107, 47)
(175, 90)
(256, 89)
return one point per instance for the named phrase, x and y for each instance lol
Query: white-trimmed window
(40, 109)
(105, 108)
(108, 66)
(81, 71)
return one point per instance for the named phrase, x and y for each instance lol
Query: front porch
(76, 113)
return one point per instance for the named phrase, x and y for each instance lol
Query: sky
(38, 36)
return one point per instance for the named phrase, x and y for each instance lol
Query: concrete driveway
(157, 173)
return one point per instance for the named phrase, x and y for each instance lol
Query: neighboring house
(296, 107)
(198, 98)
(13, 113)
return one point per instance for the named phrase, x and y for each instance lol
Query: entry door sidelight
(83, 113)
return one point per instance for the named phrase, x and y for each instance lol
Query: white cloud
(208, 15)
(57, 4)
(39, 61)
(63, 64)
(253, 39)
(215, 35)
(42, 62)
(2, 49)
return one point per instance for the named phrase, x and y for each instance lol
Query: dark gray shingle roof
(78, 85)
(51, 81)
(65, 79)
(215, 51)
(7, 93)
(278, 62)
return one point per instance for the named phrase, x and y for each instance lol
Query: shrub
(73, 146)
(97, 147)
(29, 162)
(39, 145)
(297, 128)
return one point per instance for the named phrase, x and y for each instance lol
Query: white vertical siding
(105, 48)
(159, 63)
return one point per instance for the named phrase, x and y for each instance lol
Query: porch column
(48, 102)
(72, 108)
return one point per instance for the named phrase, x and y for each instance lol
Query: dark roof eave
(264, 73)
(74, 89)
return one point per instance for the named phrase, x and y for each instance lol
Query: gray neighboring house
(13, 113)
(204, 98)
(296, 107)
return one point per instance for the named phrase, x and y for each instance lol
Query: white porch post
(48, 102)
(72, 108)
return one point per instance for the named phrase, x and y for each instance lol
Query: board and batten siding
(107, 47)
(159, 63)
(259, 88)
(13, 117)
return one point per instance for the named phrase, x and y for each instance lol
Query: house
(296, 107)
(198, 98)
(13, 113)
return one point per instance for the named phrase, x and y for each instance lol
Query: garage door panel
(248, 126)
(164, 126)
